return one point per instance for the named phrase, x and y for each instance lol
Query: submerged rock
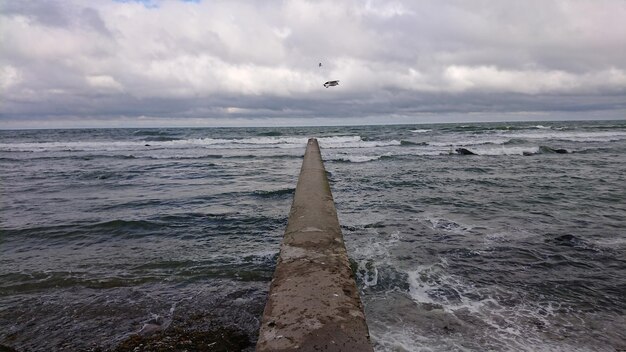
(549, 150)
(463, 151)
(4, 348)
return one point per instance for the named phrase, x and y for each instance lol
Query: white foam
(573, 136)
(401, 339)
(70, 146)
(468, 142)
(376, 253)
(505, 150)
(353, 158)
(541, 133)
(420, 131)
(331, 142)
(334, 144)
(433, 285)
(448, 225)
(361, 158)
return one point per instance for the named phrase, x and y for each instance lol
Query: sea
(116, 237)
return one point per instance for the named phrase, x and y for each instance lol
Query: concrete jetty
(313, 302)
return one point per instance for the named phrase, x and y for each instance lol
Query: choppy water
(517, 248)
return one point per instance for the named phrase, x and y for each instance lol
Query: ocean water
(107, 233)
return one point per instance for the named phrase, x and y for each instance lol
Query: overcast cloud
(120, 63)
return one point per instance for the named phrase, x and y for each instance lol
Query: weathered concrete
(313, 303)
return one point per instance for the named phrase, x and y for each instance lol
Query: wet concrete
(313, 304)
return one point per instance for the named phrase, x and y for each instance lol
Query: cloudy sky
(105, 63)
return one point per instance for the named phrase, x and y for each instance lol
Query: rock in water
(463, 151)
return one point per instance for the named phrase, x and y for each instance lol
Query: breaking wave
(172, 143)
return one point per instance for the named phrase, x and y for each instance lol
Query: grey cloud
(55, 13)
(91, 18)
(49, 13)
(237, 58)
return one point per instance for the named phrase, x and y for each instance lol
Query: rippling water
(105, 233)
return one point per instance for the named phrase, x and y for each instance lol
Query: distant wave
(270, 134)
(468, 142)
(354, 158)
(573, 136)
(491, 128)
(421, 131)
(505, 151)
(354, 142)
(171, 143)
(138, 149)
(530, 150)
(71, 146)
(408, 143)
(150, 133)
(518, 138)
(161, 139)
(514, 141)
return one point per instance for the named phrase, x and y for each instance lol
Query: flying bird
(331, 84)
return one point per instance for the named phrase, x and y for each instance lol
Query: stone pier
(313, 303)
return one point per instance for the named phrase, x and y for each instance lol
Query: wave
(284, 156)
(517, 138)
(275, 193)
(66, 231)
(515, 141)
(252, 142)
(409, 143)
(270, 134)
(468, 142)
(71, 146)
(491, 128)
(508, 151)
(604, 136)
(421, 131)
(354, 142)
(105, 175)
(530, 150)
(161, 139)
(99, 156)
(184, 157)
(150, 133)
(354, 158)
(223, 156)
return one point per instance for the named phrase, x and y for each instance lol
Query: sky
(106, 63)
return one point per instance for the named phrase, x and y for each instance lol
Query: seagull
(331, 84)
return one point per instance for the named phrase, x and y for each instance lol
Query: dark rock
(548, 150)
(463, 151)
(4, 348)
